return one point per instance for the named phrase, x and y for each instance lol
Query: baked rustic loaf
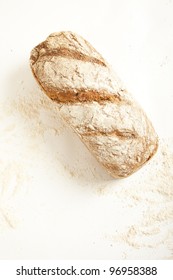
(94, 102)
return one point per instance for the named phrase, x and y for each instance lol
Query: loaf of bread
(94, 102)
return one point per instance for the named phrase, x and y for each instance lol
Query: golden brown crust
(117, 133)
(64, 52)
(44, 49)
(79, 95)
(82, 95)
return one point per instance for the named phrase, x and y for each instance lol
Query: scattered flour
(137, 219)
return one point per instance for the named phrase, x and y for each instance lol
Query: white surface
(55, 200)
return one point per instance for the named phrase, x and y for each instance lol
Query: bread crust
(94, 102)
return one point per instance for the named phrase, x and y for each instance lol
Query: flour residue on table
(133, 215)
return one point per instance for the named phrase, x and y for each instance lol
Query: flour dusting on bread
(94, 102)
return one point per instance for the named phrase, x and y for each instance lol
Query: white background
(56, 202)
